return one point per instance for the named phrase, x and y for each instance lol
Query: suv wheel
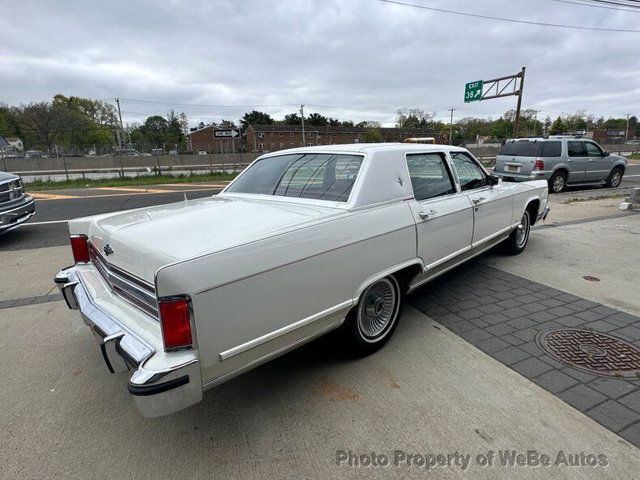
(371, 323)
(558, 182)
(615, 178)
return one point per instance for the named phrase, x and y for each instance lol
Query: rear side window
(429, 175)
(521, 149)
(551, 149)
(576, 149)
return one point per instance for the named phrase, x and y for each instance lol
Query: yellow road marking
(50, 196)
(43, 197)
(131, 189)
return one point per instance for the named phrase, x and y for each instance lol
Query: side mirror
(606, 154)
(493, 179)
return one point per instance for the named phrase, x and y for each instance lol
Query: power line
(202, 105)
(570, 2)
(512, 20)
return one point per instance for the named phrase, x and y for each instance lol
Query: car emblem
(107, 249)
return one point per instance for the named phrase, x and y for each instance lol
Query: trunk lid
(141, 241)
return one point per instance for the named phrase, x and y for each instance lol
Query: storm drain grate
(591, 351)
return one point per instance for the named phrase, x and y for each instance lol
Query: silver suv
(561, 161)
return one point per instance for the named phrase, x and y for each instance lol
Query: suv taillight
(175, 320)
(80, 248)
(539, 165)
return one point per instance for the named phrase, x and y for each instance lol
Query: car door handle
(476, 201)
(425, 215)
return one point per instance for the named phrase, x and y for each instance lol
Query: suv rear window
(531, 149)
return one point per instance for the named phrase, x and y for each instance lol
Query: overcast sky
(350, 59)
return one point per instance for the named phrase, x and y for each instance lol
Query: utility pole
(626, 130)
(119, 141)
(517, 120)
(302, 117)
(451, 127)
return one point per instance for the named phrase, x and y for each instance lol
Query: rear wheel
(519, 238)
(371, 323)
(615, 178)
(558, 182)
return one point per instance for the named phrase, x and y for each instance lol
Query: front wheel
(370, 324)
(614, 179)
(519, 238)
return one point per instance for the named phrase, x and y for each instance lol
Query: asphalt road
(36, 234)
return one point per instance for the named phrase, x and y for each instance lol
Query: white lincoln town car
(303, 241)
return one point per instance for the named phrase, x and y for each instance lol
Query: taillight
(80, 248)
(175, 320)
(539, 165)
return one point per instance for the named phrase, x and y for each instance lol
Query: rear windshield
(320, 176)
(531, 149)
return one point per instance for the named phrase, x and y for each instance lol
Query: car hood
(143, 240)
(7, 176)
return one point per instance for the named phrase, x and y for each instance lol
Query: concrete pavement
(428, 392)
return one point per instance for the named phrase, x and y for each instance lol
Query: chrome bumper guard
(542, 216)
(155, 392)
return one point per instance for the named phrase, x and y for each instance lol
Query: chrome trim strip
(494, 235)
(268, 356)
(232, 352)
(448, 257)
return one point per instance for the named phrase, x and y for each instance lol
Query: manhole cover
(592, 351)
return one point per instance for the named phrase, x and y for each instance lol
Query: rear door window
(429, 175)
(551, 149)
(576, 149)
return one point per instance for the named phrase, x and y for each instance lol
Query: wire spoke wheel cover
(522, 234)
(591, 351)
(378, 309)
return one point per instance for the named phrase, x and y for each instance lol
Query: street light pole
(451, 128)
(302, 117)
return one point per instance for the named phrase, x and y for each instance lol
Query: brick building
(203, 139)
(277, 137)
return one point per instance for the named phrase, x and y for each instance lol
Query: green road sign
(473, 91)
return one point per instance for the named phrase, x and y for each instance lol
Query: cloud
(356, 59)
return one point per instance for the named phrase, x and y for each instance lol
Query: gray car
(16, 206)
(562, 161)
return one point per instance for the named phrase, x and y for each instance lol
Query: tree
(547, 125)
(557, 127)
(347, 123)
(227, 124)
(317, 120)
(373, 135)
(292, 119)
(255, 117)
(411, 117)
(368, 124)
(502, 129)
(334, 122)
(9, 126)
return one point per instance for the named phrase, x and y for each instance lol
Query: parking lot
(464, 374)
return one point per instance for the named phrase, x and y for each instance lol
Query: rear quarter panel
(297, 284)
(527, 192)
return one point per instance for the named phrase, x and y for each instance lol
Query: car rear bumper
(521, 177)
(542, 216)
(156, 391)
(13, 216)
